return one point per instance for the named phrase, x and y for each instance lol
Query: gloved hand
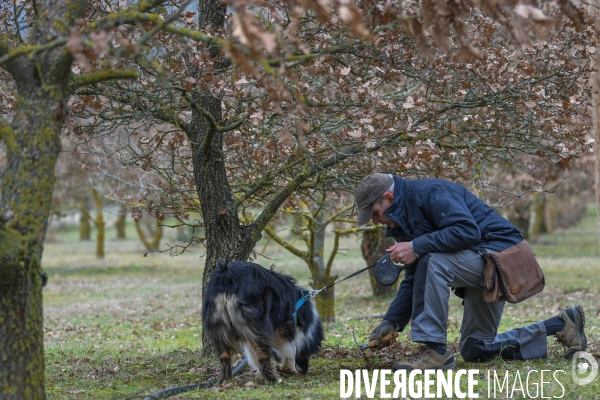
(385, 327)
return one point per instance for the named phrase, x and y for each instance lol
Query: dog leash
(316, 292)
(182, 389)
(309, 294)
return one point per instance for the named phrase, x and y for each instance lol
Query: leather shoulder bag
(512, 275)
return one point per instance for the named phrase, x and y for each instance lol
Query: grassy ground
(128, 326)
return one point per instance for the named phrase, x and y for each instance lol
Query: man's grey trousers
(479, 337)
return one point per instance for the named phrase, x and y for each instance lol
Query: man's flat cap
(369, 190)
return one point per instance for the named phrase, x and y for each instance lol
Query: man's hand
(385, 327)
(402, 252)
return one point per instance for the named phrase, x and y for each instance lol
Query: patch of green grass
(128, 326)
(578, 241)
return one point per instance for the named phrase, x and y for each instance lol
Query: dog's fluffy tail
(226, 318)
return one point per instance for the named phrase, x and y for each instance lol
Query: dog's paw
(285, 371)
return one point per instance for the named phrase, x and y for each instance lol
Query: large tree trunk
(226, 238)
(33, 144)
(594, 9)
(24, 210)
(373, 246)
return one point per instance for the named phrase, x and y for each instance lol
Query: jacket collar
(396, 212)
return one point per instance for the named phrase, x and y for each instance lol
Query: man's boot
(427, 358)
(572, 337)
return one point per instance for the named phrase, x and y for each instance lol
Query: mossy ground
(128, 326)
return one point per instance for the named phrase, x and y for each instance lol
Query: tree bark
(595, 82)
(325, 301)
(33, 144)
(373, 246)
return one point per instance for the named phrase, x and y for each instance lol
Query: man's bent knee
(476, 350)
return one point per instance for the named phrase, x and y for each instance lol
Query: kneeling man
(441, 230)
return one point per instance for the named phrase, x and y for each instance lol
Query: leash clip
(314, 293)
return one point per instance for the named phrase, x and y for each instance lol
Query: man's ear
(389, 196)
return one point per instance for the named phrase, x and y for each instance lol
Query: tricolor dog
(254, 307)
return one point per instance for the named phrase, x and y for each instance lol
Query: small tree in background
(153, 243)
(309, 222)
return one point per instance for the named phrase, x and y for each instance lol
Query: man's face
(379, 209)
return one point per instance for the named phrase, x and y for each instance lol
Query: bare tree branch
(285, 244)
(131, 16)
(232, 126)
(162, 24)
(172, 119)
(33, 49)
(125, 16)
(101, 76)
(336, 242)
(271, 208)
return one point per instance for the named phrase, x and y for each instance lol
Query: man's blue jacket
(439, 216)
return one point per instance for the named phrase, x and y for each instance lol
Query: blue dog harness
(305, 296)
